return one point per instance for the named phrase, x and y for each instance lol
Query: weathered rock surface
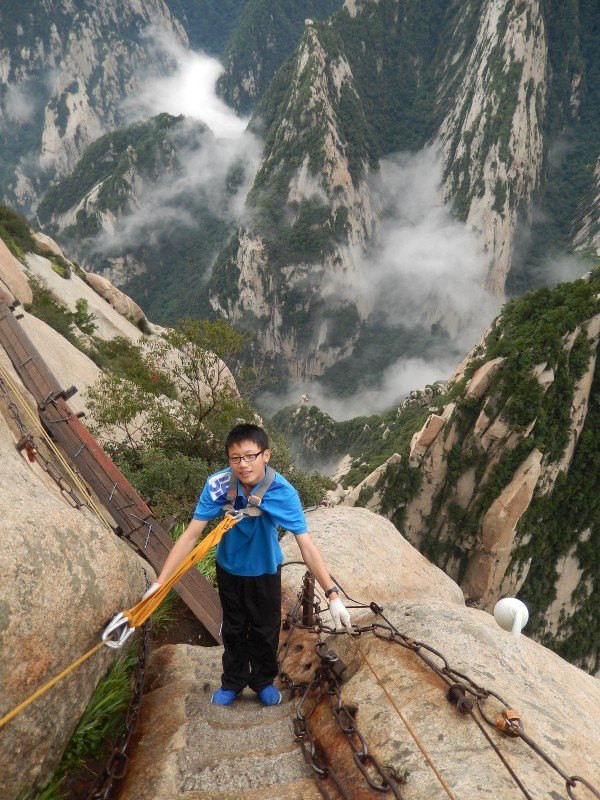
(480, 382)
(123, 304)
(110, 320)
(365, 551)
(189, 749)
(370, 482)
(558, 703)
(12, 279)
(491, 558)
(509, 53)
(63, 576)
(69, 365)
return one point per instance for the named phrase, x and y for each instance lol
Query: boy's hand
(340, 615)
(156, 585)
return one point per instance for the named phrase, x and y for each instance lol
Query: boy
(249, 562)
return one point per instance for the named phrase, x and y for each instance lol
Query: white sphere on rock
(511, 614)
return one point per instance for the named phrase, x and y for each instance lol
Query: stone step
(239, 774)
(298, 790)
(216, 737)
(246, 710)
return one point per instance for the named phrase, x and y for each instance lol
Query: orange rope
(49, 685)
(138, 613)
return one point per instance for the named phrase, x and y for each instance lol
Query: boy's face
(249, 472)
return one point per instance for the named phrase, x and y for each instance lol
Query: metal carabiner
(117, 622)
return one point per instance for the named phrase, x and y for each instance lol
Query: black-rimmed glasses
(248, 457)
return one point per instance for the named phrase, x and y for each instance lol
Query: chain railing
(462, 691)
(118, 760)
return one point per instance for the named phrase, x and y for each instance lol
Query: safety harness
(254, 500)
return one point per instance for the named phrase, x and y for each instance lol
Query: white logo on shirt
(219, 485)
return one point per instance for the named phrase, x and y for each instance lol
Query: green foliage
(553, 525)
(61, 266)
(106, 161)
(16, 233)
(125, 359)
(208, 23)
(102, 720)
(531, 331)
(84, 318)
(265, 35)
(165, 408)
(46, 308)
(572, 131)
(401, 483)
(318, 438)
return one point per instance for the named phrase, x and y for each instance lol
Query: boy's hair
(247, 432)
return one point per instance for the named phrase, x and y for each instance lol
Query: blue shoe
(224, 697)
(269, 696)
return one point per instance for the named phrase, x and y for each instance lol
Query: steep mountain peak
(290, 269)
(494, 83)
(322, 87)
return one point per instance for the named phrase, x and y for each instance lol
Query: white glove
(155, 586)
(340, 615)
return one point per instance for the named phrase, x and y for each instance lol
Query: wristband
(333, 589)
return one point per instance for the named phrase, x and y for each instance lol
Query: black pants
(251, 623)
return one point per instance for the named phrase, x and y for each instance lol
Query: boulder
(110, 320)
(63, 576)
(369, 557)
(46, 244)
(422, 439)
(490, 559)
(188, 749)
(559, 706)
(544, 375)
(69, 365)
(116, 298)
(482, 377)
(12, 277)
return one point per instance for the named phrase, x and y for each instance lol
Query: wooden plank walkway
(117, 495)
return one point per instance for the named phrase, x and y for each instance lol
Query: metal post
(308, 599)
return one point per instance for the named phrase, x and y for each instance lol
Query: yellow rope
(49, 685)
(404, 720)
(48, 441)
(140, 612)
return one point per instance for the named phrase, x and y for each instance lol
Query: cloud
(217, 158)
(201, 179)
(397, 381)
(189, 89)
(424, 266)
(19, 105)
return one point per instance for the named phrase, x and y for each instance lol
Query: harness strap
(254, 499)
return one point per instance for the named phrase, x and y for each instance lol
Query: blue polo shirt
(251, 547)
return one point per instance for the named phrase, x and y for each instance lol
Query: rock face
(12, 279)
(498, 83)
(63, 576)
(324, 197)
(108, 305)
(95, 53)
(188, 749)
(500, 485)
